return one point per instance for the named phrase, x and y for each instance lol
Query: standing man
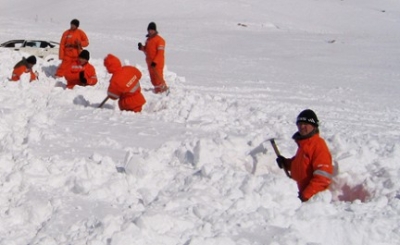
(24, 66)
(71, 44)
(81, 72)
(311, 167)
(154, 51)
(124, 85)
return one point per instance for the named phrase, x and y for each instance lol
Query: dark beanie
(308, 116)
(75, 22)
(31, 60)
(84, 54)
(152, 26)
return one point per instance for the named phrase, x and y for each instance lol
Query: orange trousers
(65, 64)
(157, 79)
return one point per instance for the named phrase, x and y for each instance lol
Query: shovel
(276, 150)
(103, 102)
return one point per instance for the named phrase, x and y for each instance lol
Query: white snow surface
(179, 172)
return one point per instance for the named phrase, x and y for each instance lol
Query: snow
(179, 172)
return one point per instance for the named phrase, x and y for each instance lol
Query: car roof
(27, 40)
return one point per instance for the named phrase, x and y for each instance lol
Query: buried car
(39, 48)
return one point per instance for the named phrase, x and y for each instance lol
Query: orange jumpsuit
(124, 85)
(18, 71)
(71, 44)
(154, 50)
(72, 74)
(311, 167)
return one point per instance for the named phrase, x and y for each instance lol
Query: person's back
(120, 80)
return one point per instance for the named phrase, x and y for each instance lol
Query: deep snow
(179, 172)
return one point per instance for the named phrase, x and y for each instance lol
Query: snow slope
(179, 172)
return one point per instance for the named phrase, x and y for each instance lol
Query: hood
(22, 62)
(112, 63)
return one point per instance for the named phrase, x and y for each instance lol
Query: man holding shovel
(154, 51)
(124, 85)
(311, 167)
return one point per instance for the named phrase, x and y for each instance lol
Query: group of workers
(124, 83)
(311, 167)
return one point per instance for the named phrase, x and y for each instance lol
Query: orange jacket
(72, 74)
(19, 70)
(72, 42)
(311, 167)
(154, 50)
(124, 84)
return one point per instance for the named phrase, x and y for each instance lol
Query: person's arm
(90, 75)
(322, 172)
(83, 39)
(284, 162)
(113, 91)
(159, 52)
(33, 76)
(62, 47)
(140, 47)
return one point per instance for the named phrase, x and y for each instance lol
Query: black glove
(280, 160)
(140, 46)
(302, 199)
(153, 64)
(82, 77)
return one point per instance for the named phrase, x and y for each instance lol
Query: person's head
(112, 63)
(151, 28)
(84, 56)
(306, 122)
(74, 24)
(31, 61)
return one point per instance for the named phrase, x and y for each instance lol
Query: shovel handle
(103, 102)
(276, 150)
(278, 154)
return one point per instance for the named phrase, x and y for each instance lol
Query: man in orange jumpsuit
(154, 51)
(124, 85)
(71, 44)
(311, 167)
(81, 72)
(24, 66)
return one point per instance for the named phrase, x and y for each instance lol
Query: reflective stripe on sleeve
(113, 95)
(323, 173)
(133, 90)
